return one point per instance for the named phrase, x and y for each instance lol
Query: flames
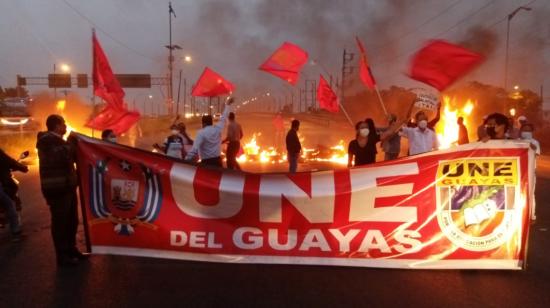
(253, 152)
(447, 129)
(60, 107)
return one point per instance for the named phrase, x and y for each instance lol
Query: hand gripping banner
(462, 208)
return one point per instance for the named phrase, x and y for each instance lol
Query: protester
(526, 133)
(362, 149)
(108, 135)
(233, 140)
(462, 132)
(496, 127)
(58, 183)
(392, 145)
(522, 120)
(513, 131)
(293, 146)
(173, 144)
(187, 141)
(431, 124)
(7, 165)
(421, 138)
(9, 201)
(481, 131)
(207, 145)
(7, 204)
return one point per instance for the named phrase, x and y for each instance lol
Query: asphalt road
(30, 278)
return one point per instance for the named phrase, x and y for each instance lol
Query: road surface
(30, 278)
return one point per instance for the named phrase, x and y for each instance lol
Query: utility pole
(347, 70)
(170, 59)
(510, 16)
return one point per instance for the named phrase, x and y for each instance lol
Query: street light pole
(510, 16)
(170, 58)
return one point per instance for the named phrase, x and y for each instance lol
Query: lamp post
(510, 16)
(65, 68)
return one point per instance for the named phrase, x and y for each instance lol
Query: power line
(407, 52)
(91, 22)
(427, 21)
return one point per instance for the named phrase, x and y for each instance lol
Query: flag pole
(346, 114)
(93, 89)
(380, 99)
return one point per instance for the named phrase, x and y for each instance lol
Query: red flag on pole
(106, 85)
(365, 72)
(211, 84)
(114, 116)
(326, 97)
(440, 63)
(286, 62)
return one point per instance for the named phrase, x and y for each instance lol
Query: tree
(14, 92)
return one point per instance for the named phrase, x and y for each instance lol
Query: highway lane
(29, 277)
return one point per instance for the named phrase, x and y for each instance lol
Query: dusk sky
(233, 37)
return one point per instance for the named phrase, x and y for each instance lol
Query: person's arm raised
(397, 125)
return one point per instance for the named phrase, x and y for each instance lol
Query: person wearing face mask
(108, 135)
(173, 144)
(362, 149)
(421, 138)
(496, 127)
(392, 145)
(208, 141)
(526, 133)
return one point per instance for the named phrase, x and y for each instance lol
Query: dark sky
(234, 36)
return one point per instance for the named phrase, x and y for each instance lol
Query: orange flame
(447, 129)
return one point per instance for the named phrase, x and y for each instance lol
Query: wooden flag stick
(380, 99)
(346, 114)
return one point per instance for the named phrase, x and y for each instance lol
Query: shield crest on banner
(125, 193)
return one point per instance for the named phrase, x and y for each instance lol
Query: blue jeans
(293, 162)
(9, 206)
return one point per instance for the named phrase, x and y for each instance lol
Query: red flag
(118, 120)
(211, 84)
(286, 62)
(365, 72)
(326, 97)
(115, 115)
(106, 85)
(440, 63)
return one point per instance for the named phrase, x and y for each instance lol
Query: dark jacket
(57, 158)
(7, 165)
(293, 145)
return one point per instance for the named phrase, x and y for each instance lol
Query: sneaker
(81, 256)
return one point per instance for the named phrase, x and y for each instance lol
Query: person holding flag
(208, 141)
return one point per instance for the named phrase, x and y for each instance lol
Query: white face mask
(175, 132)
(364, 132)
(526, 135)
(112, 139)
(423, 124)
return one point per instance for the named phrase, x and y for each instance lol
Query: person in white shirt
(208, 141)
(526, 133)
(421, 138)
